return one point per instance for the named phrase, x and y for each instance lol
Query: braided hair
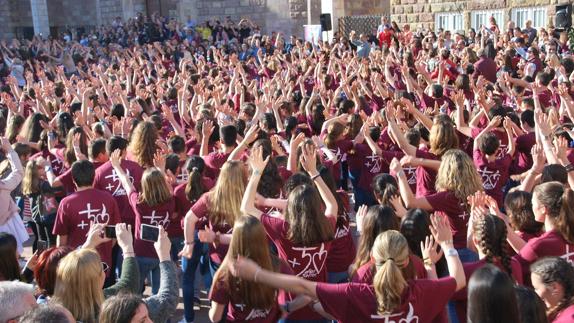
(556, 270)
(490, 232)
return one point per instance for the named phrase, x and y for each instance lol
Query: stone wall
(421, 12)
(72, 13)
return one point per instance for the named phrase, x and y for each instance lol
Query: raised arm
(15, 177)
(115, 159)
(410, 200)
(309, 162)
(257, 167)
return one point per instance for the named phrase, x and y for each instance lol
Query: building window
(480, 18)
(448, 21)
(538, 16)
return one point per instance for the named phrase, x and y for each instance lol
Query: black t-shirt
(244, 32)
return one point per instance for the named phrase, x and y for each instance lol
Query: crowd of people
(155, 153)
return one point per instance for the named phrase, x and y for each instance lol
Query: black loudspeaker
(563, 18)
(325, 19)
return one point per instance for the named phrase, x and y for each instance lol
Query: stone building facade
(24, 17)
(465, 14)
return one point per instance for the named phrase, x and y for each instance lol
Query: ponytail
(389, 284)
(194, 188)
(391, 253)
(558, 201)
(565, 221)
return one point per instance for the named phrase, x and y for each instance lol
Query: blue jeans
(338, 278)
(149, 266)
(466, 255)
(189, 268)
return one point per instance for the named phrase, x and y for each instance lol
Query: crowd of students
(252, 157)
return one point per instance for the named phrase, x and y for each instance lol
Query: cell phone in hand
(110, 231)
(41, 246)
(149, 232)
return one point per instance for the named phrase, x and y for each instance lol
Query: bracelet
(256, 274)
(129, 254)
(256, 172)
(428, 262)
(400, 173)
(569, 167)
(188, 243)
(315, 177)
(48, 169)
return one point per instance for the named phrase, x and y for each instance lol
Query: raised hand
(429, 250)
(256, 160)
(309, 159)
(115, 158)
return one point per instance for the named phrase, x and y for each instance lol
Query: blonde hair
(142, 143)
(79, 286)
(248, 232)
(155, 190)
(225, 198)
(458, 174)
(390, 252)
(31, 180)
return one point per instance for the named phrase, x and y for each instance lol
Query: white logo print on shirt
(117, 189)
(392, 318)
(254, 313)
(315, 261)
(158, 220)
(374, 164)
(567, 255)
(489, 178)
(94, 215)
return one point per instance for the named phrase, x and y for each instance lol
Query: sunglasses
(105, 267)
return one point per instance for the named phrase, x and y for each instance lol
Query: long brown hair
(442, 136)
(142, 143)
(559, 202)
(556, 270)
(248, 234)
(31, 180)
(225, 198)
(335, 130)
(390, 252)
(490, 232)
(377, 220)
(306, 217)
(155, 190)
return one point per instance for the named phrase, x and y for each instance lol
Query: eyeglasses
(105, 267)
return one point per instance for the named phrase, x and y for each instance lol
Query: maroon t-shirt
(524, 144)
(306, 261)
(77, 210)
(356, 303)
(371, 164)
(550, 244)
(461, 297)
(342, 252)
(107, 179)
(67, 179)
(500, 134)
(447, 203)
(162, 214)
(426, 177)
(57, 164)
(183, 205)
(239, 312)
(213, 163)
(494, 174)
(201, 210)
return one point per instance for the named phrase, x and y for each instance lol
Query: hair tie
(391, 259)
(194, 169)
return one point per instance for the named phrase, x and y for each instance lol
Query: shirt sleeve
(334, 299)
(218, 292)
(60, 225)
(200, 207)
(273, 226)
(164, 303)
(443, 290)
